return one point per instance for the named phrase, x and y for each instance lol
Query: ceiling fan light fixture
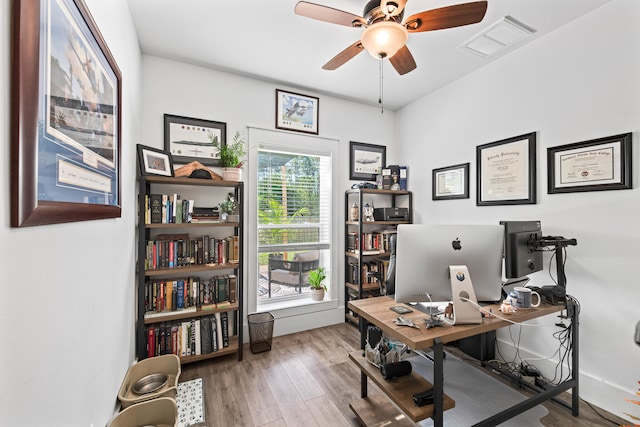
(384, 39)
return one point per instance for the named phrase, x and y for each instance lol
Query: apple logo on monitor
(456, 244)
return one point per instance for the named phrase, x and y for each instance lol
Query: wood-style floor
(307, 380)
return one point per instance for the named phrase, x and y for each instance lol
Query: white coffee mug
(523, 297)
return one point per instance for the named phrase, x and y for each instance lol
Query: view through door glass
(293, 222)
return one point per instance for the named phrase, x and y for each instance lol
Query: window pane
(293, 220)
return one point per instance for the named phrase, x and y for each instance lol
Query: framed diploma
(451, 182)
(598, 164)
(506, 172)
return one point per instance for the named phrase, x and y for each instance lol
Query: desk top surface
(376, 310)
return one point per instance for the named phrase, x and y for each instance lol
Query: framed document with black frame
(366, 160)
(66, 114)
(451, 182)
(598, 164)
(506, 171)
(189, 139)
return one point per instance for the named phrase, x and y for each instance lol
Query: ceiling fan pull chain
(380, 90)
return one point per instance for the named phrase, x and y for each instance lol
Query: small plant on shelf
(231, 155)
(228, 207)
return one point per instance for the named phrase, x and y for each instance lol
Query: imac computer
(424, 254)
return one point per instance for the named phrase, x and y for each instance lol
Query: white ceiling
(266, 40)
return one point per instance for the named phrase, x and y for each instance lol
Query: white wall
(67, 305)
(578, 83)
(186, 90)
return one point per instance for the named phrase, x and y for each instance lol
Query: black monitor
(521, 254)
(425, 252)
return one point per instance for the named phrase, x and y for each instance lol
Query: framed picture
(66, 116)
(506, 172)
(154, 162)
(297, 112)
(191, 140)
(451, 182)
(366, 160)
(599, 164)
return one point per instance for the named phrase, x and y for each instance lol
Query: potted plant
(228, 209)
(231, 157)
(316, 277)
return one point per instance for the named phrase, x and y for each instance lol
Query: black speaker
(398, 369)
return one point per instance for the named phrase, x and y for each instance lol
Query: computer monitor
(521, 255)
(425, 252)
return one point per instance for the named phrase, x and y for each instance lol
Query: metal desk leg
(364, 324)
(575, 353)
(438, 383)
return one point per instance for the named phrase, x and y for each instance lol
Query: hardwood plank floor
(307, 380)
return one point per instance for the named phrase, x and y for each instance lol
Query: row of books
(166, 295)
(181, 250)
(202, 335)
(370, 243)
(377, 266)
(171, 208)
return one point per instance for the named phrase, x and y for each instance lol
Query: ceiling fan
(385, 34)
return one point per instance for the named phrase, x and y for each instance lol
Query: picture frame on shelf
(366, 161)
(188, 139)
(506, 171)
(451, 182)
(66, 116)
(154, 162)
(297, 112)
(594, 165)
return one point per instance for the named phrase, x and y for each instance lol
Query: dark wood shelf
(162, 185)
(232, 349)
(152, 317)
(401, 389)
(189, 269)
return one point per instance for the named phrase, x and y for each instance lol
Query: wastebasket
(260, 331)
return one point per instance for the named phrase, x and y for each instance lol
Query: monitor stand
(464, 312)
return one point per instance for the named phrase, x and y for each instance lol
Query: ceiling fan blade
(328, 14)
(344, 56)
(446, 17)
(403, 61)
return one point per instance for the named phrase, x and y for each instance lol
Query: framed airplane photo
(297, 112)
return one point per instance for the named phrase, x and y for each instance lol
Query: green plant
(316, 277)
(231, 155)
(229, 205)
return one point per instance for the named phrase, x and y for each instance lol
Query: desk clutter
(380, 350)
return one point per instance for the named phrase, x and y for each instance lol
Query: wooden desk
(376, 311)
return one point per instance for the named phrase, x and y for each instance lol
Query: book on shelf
(205, 335)
(224, 320)
(197, 337)
(218, 317)
(151, 342)
(214, 333)
(155, 204)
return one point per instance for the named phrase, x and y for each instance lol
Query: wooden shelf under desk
(401, 389)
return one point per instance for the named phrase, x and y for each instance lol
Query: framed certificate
(506, 172)
(451, 182)
(598, 164)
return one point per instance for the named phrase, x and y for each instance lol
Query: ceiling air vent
(498, 37)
